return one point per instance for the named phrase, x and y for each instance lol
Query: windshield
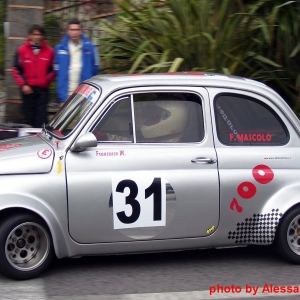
(70, 114)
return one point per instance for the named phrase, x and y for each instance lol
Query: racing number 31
(136, 203)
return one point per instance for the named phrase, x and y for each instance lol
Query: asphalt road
(176, 275)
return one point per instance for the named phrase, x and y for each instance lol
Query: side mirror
(84, 141)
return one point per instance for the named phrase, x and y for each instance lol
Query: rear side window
(245, 121)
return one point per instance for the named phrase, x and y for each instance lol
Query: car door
(153, 174)
(257, 150)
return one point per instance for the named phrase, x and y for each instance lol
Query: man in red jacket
(33, 72)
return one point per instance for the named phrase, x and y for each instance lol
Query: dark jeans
(35, 107)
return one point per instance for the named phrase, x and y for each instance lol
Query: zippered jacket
(35, 70)
(90, 64)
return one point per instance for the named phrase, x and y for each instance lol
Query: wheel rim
(293, 235)
(27, 246)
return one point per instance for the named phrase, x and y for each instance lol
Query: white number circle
(139, 201)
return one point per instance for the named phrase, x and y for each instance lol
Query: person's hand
(26, 89)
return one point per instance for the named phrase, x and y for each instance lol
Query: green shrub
(258, 39)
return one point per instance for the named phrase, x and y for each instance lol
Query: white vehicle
(133, 164)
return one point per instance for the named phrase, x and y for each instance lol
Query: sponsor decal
(139, 200)
(228, 122)
(92, 95)
(44, 153)
(5, 147)
(59, 165)
(84, 90)
(247, 190)
(235, 205)
(257, 228)
(211, 229)
(251, 137)
(87, 91)
(110, 153)
(278, 157)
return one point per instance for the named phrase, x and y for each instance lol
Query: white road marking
(34, 290)
(25, 290)
(194, 295)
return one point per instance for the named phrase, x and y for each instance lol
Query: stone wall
(20, 16)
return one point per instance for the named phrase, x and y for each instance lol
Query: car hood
(25, 155)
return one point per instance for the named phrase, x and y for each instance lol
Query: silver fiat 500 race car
(133, 164)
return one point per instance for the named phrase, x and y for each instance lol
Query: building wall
(88, 12)
(20, 16)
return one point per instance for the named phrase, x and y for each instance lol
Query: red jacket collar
(43, 45)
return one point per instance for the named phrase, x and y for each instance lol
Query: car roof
(177, 78)
(113, 82)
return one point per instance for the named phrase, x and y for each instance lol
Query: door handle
(203, 160)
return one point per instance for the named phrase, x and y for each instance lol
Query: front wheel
(25, 246)
(288, 236)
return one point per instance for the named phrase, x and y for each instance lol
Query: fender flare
(58, 229)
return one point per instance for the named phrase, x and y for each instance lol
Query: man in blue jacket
(76, 59)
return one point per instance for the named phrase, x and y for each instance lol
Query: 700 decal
(139, 201)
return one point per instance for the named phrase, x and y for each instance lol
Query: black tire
(288, 236)
(26, 247)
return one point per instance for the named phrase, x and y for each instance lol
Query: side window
(116, 125)
(158, 118)
(245, 121)
(168, 118)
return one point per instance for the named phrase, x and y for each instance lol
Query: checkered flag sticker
(258, 229)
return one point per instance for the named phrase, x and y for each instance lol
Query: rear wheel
(288, 236)
(25, 246)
